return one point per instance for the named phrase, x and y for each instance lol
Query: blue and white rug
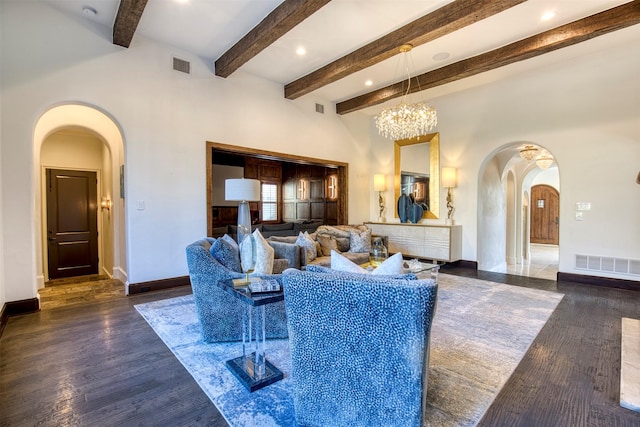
(480, 333)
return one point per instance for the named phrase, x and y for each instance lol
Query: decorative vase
(404, 203)
(415, 213)
(378, 252)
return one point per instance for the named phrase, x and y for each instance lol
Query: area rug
(480, 333)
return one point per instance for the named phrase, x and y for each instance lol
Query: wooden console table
(434, 242)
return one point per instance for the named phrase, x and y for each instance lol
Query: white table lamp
(243, 191)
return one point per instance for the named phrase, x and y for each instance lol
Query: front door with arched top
(545, 211)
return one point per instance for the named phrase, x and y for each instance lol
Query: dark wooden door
(72, 223)
(545, 212)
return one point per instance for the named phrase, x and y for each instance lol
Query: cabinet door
(436, 243)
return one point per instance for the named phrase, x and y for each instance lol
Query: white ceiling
(208, 28)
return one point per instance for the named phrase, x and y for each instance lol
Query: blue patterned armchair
(359, 348)
(219, 312)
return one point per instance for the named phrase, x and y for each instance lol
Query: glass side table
(253, 369)
(422, 268)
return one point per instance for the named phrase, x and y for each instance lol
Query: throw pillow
(314, 268)
(360, 241)
(226, 253)
(391, 266)
(328, 244)
(309, 246)
(260, 250)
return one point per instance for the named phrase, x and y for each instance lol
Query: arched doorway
(505, 182)
(82, 138)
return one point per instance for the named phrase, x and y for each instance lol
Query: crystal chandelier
(544, 160)
(406, 120)
(529, 152)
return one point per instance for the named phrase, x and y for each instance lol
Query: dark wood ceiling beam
(127, 19)
(282, 19)
(447, 19)
(578, 31)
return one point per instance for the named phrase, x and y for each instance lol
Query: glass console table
(252, 369)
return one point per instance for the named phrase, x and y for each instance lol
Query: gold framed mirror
(417, 170)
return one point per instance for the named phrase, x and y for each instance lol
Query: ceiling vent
(319, 108)
(181, 65)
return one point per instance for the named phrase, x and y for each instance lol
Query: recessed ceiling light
(368, 83)
(181, 1)
(548, 15)
(89, 11)
(441, 56)
(301, 51)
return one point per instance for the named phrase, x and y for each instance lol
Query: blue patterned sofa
(359, 348)
(219, 312)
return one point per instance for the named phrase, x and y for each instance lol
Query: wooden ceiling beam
(127, 19)
(605, 22)
(282, 19)
(447, 19)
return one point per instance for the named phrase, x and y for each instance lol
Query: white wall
(549, 177)
(166, 118)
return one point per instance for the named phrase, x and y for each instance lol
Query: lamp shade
(379, 182)
(242, 190)
(449, 177)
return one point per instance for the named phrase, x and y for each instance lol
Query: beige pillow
(309, 246)
(360, 240)
(328, 244)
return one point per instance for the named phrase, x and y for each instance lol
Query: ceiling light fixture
(406, 120)
(529, 152)
(368, 83)
(548, 15)
(301, 51)
(440, 56)
(544, 160)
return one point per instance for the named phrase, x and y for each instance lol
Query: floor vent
(608, 264)
(181, 65)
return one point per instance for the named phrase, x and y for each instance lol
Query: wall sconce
(332, 187)
(105, 203)
(302, 189)
(449, 181)
(379, 185)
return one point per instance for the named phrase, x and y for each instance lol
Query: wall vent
(181, 65)
(319, 108)
(608, 264)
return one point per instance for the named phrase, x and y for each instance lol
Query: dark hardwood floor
(100, 364)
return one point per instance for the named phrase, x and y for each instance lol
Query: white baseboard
(120, 274)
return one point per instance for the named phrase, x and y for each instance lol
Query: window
(269, 202)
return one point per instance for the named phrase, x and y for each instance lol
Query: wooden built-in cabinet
(431, 242)
(306, 195)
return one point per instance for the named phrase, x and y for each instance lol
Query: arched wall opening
(85, 123)
(505, 180)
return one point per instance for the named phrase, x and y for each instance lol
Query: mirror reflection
(417, 172)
